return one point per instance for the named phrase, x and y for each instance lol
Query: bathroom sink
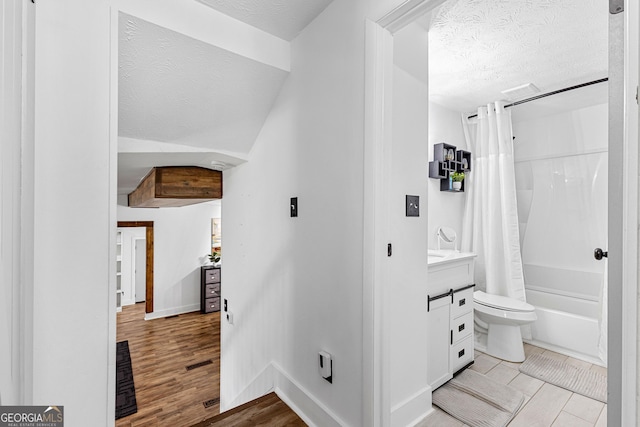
(442, 253)
(439, 256)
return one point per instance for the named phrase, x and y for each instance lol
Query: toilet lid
(500, 302)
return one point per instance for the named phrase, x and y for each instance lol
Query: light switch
(412, 205)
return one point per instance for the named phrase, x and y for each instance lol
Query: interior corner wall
(73, 223)
(294, 285)
(182, 239)
(445, 208)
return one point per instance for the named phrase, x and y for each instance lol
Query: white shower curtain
(490, 222)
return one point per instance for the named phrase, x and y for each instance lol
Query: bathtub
(565, 324)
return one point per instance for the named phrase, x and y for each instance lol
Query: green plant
(457, 176)
(214, 257)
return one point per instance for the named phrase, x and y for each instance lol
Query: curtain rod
(555, 92)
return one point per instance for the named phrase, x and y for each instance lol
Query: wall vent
(520, 92)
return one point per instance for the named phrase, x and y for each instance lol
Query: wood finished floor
(267, 411)
(161, 349)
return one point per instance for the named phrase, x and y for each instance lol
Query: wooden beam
(173, 186)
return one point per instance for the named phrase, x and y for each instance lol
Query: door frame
(623, 275)
(623, 216)
(377, 146)
(149, 259)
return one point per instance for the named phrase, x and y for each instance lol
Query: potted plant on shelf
(457, 178)
(214, 257)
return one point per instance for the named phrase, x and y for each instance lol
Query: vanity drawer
(461, 354)
(462, 327)
(212, 275)
(462, 302)
(212, 290)
(212, 304)
(449, 276)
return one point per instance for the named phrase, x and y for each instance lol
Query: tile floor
(545, 405)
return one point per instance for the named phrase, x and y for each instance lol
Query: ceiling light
(218, 166)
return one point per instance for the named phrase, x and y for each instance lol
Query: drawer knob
(461, 353)
(462, 302)
(461, 328)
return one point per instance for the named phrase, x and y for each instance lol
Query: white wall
(445, 208)
(182, 238)
(582, 130)
(73, 226)
(295, 284)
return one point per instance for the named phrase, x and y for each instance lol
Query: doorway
(140, 272)
(149, 250)
(623, 206)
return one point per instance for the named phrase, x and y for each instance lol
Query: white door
(140, 271)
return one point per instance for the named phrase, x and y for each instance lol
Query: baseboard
(312, 412)
(172, 311)
(274, 378)
(413, 409)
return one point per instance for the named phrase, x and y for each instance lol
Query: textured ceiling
(176, 89)
(281, 18)
(478, 48)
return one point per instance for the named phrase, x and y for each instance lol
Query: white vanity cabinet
(450, 316)
(462, 328)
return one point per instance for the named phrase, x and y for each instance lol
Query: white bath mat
(477, 400)
(582, 381)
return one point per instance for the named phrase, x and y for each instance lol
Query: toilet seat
(501, 303)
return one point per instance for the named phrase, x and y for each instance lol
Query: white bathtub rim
(540, 300)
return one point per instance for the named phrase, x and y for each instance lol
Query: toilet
(500, 318)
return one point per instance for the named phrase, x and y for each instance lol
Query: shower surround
(561, 186)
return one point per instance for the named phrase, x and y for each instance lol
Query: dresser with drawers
(210, 291)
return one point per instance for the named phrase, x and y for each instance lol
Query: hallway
(162, 350)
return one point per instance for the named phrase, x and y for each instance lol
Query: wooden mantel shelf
(173, 186)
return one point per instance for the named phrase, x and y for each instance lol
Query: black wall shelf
(446, 160)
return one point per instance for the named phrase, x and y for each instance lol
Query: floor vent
(199, 364)
(210, 403)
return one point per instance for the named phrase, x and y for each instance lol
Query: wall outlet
(326, 366)
(412, 207)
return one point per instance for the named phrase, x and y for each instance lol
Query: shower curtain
(490, 221)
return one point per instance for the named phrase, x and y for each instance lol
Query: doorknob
(599, 254)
